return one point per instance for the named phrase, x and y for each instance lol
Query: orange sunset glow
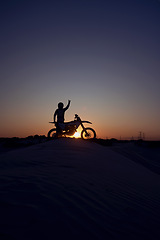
(77, 135)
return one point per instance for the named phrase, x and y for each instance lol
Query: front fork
(84, 129)
(82, 126)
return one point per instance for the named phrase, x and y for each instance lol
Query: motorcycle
(69, 128)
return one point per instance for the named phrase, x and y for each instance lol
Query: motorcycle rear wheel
(88, 133)
(52, 133)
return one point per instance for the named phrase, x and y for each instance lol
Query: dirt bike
(69, 128)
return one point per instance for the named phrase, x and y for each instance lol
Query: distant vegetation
(7, 144)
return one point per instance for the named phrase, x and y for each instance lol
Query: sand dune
(74, 189)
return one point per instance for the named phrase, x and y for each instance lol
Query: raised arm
(69, 101)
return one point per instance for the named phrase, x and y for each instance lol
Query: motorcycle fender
(86, 122)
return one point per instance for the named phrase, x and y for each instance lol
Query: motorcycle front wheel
(52, 133)
(88, 133)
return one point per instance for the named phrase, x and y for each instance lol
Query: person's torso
(60, 115)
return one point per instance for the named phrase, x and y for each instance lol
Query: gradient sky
(104, 55)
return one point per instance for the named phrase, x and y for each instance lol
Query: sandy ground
(69, 188)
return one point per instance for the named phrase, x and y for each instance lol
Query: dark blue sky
(103, 55)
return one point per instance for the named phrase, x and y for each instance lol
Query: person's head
(60, 105)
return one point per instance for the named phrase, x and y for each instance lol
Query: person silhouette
(59, 113)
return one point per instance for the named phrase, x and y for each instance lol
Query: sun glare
(77, 135)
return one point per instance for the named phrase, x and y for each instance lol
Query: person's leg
(58, 130)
